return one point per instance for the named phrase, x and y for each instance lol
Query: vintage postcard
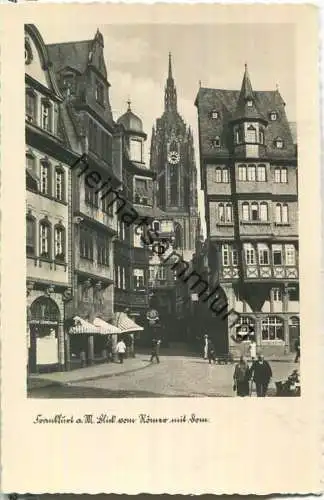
(160, 249)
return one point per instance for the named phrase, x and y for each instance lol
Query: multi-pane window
(251, 134)
(225, 255)
(281, 175)
(272, 328)
(45, 239)
(221, 213)
(30, 106)
(261, 173)
(228, 213)
(279, 144)
(45, 170)
(276, 293)
(225, 175)
(245, 211)
(30, 236)
(251, 173)
(218, 175)
(290, 255)
(281, 214)
(249, 252)
(59, 183)
(86, 244)
(242, 173)
(59, 243)
(103, 250)
(138, 275)
(46, 116)
(264, 257)
(263, 211)
(277, 255)
(254, 211)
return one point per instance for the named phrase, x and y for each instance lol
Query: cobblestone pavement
(178, 377)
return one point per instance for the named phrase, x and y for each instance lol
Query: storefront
(45, 336)
(128, 330)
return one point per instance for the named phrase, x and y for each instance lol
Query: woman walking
(241, 378)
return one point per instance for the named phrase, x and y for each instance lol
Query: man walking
(261, 373)
(155, 350)
(121, 349)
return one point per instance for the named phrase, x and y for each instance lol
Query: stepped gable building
(248, 163)
(173, 161)
(48, 195)
(82, 78)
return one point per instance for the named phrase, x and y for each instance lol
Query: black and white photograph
(162, 211)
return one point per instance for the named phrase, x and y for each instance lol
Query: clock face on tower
(173, 157)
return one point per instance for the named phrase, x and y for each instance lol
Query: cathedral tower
(173, 160)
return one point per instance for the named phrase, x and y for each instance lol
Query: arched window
(31, 176)
(272, 328)
(251, 134)
(261, 173)
(221, 214)
(273, 116)
(254, 211)
(251, 173)
(218, 174)
(245, 211)
(264, 254)
(178, 236)
(45, 239)
(263, 211)
(284, 214)
(30, 236)
(59, 243)
(45, 177)
(44, 309)
(242, 173)
(174, 184)
(59, 184)
(229, 215)
(278, 213)
(225, 175)
(261, 136)
(46, 115)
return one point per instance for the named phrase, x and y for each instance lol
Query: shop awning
(125, 323)
(83, 326)
(105, 328)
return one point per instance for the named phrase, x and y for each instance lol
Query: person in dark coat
(297, 349)
(241, 378)
(261, 373)
(155, 350)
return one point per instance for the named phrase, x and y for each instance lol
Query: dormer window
(69, 83)
(216, 143)
(279, 143)
(249, 103)
(215, 114)
(99, 93)
(273, 116)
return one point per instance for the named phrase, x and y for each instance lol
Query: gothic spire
(247, 104)
(170, 97)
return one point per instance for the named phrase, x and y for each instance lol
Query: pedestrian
(206, 341)
(241, 378)
(211, 352)
(297, 349)
(155, 350)
(261, 373)
(121, 349)
(252, 347)
(109, 349)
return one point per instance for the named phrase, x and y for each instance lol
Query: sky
(137, 63)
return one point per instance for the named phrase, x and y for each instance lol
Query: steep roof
(225, 102)
(71, 54)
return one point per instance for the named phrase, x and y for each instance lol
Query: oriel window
(251, 134)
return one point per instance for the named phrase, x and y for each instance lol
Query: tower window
(249, 103)
(251, 134)
(273, 116)
(99, 92)
(136, 150)
(215, 114)
(261, 136)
